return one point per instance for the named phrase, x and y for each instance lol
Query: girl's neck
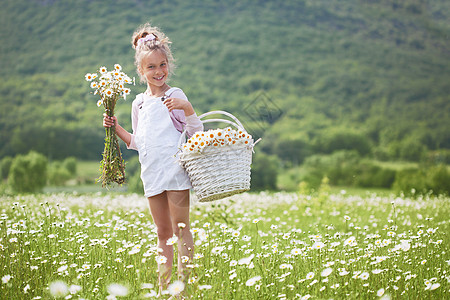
(157, 91)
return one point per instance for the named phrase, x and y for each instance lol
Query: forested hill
(296, 72)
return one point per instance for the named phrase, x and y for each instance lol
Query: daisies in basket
(216, 138)
(110, 86)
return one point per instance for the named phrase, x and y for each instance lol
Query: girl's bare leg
(159, 208)
(179, 212)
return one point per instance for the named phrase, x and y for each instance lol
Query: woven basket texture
(221, 172)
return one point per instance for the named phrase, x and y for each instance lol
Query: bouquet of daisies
(110, 86)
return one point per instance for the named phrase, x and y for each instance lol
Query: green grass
(88, 170)
(252, 246)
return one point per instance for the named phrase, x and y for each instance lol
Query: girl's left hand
(175, 103)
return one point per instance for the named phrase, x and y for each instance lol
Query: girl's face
(155, 69)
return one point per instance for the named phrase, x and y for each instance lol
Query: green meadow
(329, 245)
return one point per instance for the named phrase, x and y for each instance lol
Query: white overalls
(157, 142)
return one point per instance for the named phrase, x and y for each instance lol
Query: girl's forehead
(154, 57)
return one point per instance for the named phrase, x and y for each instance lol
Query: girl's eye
(150, 67)
(163, 64)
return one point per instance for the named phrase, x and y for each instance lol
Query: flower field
(251, 246)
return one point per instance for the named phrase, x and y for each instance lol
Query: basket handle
(236, 122)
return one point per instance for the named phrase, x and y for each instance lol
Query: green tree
(292, 150)
(5, 165)
(70, 164)
(341, 139)
(28, 173)
(264, 172)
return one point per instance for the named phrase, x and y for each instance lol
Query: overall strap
(171, 91)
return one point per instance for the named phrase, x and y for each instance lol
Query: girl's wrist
(188, 110)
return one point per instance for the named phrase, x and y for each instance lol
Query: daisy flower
(108, 92)
(176, 287)
(89, 77)
(364, 276)
(326, 272)
(58, 289)
(103, 70)
(116, 289)
(172, 240)
(252, 281)
(160, 259)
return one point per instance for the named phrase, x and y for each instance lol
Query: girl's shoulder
(176, 92)
(138, 100)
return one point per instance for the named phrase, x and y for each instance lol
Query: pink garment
(192, 123)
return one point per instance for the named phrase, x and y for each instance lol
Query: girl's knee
(164, 233)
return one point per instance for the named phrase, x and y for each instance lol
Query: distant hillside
(296, 72)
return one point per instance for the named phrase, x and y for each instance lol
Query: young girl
(158, 117)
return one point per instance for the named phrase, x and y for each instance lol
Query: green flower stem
(112, 165)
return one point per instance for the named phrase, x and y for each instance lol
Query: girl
(158, 116)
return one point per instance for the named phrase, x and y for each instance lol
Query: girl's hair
(155, 40)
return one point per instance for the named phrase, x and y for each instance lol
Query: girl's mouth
(159, 78)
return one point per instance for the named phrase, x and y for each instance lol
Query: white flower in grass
(434, 286)
(364, 275)
(151, 294)
(205, 287)
(310, 275)
(26, 288)
(117, 67)
(235, 233)
(380, 292)
(6, 278)
(134, 250)
(103, 70)
(160, 259)
(246, 260)
(147, 286)
(296, 251)
(347, 218)
(73, 289)
(116, 289)
(326, 272)
(318, 245)
(172, 240)
(217, 250)
(181, 225)
(252, 281)
(349, 241)
(286, 266)
(198, 255)
(62, 268)
(58, 289)
(176, 287)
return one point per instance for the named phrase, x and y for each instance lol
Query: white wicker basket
(219, 172)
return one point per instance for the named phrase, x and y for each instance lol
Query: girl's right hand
(109, 121)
